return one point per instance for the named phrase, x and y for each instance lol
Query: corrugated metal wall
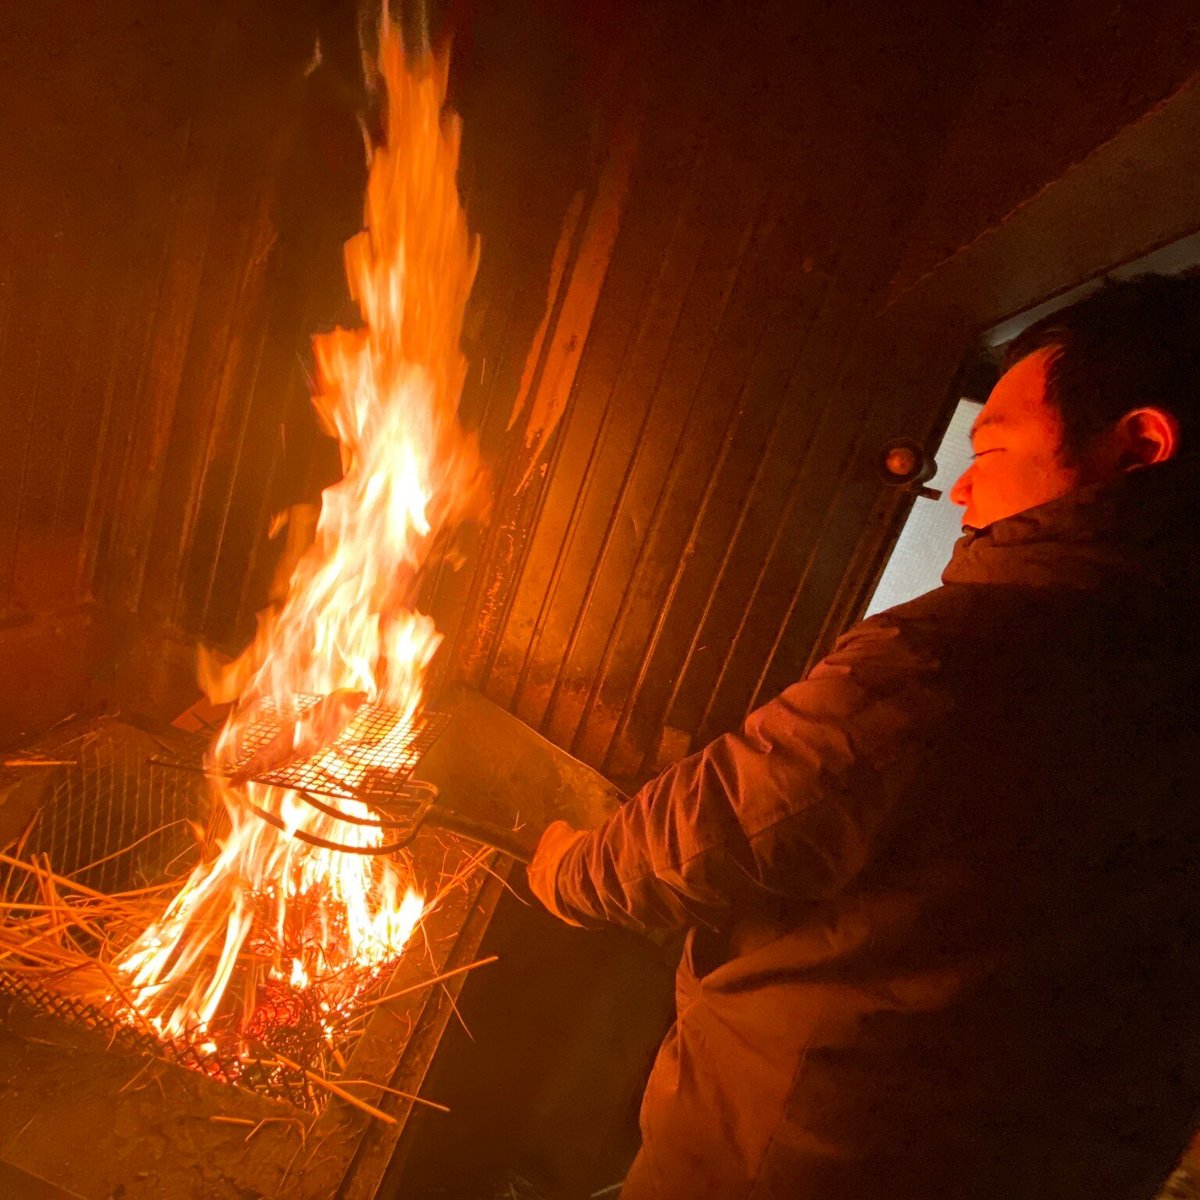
(657, 579)
(685, 551)
(690, 217)
(76, 265)
(137, 257)
(655, 561)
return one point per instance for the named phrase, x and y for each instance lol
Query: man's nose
(960, 493)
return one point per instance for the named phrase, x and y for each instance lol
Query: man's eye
(980, 453)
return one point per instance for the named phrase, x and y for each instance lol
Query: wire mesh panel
(102, 814)
(373, 750)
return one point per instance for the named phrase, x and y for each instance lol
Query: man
(943, 895)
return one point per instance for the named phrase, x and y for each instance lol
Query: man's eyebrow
(985, 419)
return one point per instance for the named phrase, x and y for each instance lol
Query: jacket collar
(1141, 526)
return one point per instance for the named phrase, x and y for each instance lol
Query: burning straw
(57, 938)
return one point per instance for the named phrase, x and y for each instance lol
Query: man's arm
(788, 806)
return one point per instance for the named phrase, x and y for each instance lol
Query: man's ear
(1147, 436)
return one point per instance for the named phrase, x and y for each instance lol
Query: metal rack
(371, 759)
(374, 753)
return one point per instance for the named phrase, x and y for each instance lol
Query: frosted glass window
(933, 526)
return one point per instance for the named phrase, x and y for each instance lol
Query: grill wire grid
(374, 755)
(108, 818)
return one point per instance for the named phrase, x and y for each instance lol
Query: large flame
(389, 393)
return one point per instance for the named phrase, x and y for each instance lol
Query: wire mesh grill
(374, 755)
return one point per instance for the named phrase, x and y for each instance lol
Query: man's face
(1016, 440)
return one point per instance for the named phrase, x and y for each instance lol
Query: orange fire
(289, 913)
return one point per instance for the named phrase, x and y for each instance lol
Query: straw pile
(59, 936)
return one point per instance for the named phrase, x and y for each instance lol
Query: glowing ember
(272, 933)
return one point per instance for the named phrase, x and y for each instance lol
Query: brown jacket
(944, 894)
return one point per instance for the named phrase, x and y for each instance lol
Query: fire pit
(103, 822)
(89, 792)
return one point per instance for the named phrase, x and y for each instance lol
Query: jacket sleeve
(788, 807)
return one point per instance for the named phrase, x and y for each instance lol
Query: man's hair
(1132, 344)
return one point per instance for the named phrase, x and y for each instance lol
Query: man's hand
(543, 870)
